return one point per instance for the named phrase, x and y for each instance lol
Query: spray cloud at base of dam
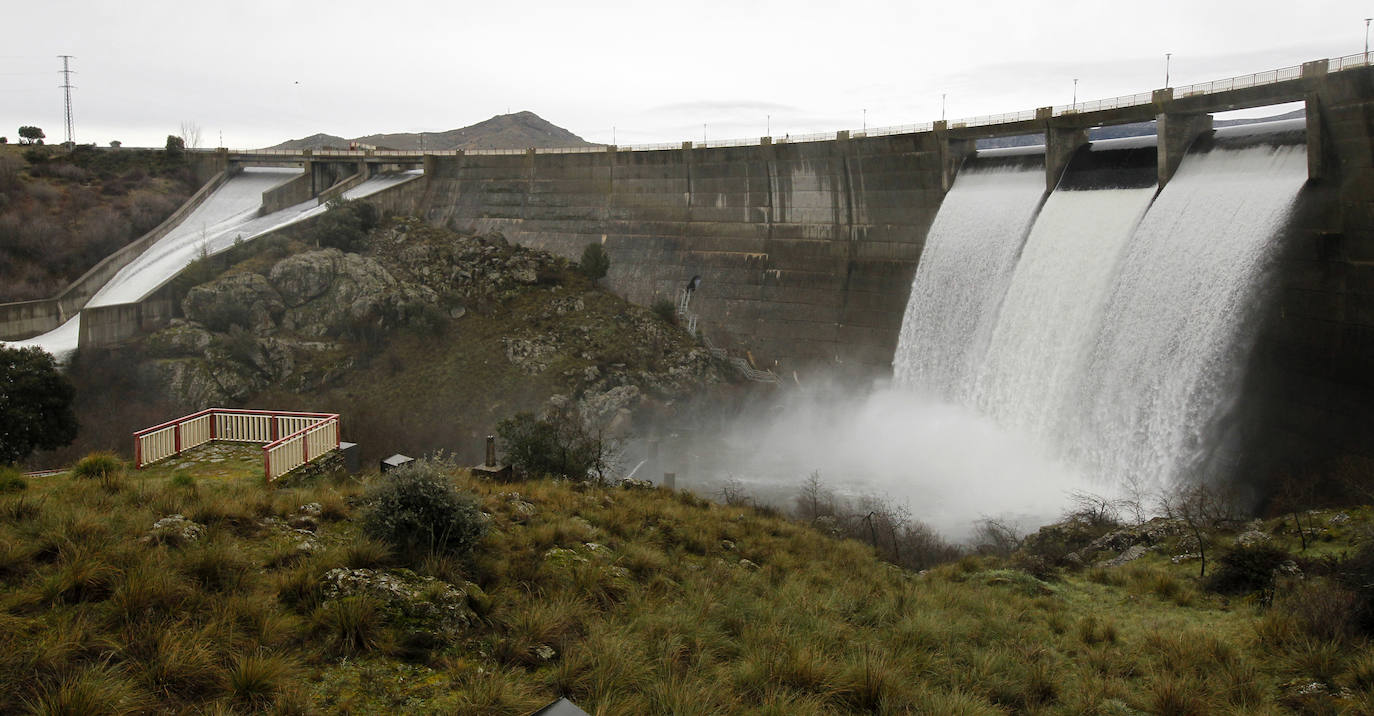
(1095, 342)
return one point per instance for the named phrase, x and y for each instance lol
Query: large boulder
(332, 293)
(243, 299)
(304, 276)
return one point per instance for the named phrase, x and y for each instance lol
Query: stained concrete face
(806, 251)
(1313, 364)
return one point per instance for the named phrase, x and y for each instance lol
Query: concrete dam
(915, 251)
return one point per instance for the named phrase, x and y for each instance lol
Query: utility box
(395, 461)
(352, 457)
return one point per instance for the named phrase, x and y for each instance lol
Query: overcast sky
(261, 72)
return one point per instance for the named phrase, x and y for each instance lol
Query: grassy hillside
(63, 211)
(629, 601)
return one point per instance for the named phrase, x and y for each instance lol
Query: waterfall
(968, 258)
(1165, 366)
(1050, 316)
(1116, 335)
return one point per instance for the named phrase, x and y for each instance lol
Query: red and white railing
(290, 439)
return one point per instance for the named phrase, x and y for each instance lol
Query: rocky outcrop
(304, 320)
(174, 530)
(244, 299)
(422, 604)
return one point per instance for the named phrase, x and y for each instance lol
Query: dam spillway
(1121, 331)
(232, 212)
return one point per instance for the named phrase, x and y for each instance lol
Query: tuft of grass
(146, 591)
(1091, 631)
(352, 625)
(81, 576)
(99, 690)
(367, 553)
(97, 466)
(180, 667)
(255, 680)
(214, 565)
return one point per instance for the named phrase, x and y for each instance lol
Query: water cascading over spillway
(1166, 365)
(1048, 322)
(230, 213)
(1120, 332)
(969, 255)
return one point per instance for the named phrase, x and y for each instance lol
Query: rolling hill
(504, 131)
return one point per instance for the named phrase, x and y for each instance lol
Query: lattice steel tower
(67, 93)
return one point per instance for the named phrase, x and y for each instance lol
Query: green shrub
(665, 309)
(1246, 569)
(595, 263)
(345, 225)
(417, 511)
(101, 466)
(558, 444)
(225, 316)
(11, 480)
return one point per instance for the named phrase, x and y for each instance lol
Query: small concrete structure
(352, 457)
(395, 461)
(560, 707)
(489, 468)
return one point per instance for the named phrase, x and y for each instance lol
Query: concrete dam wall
(806, 251)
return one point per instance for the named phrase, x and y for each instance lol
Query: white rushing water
(1119, 344)
(1178, 324)
(968, 258)
(1052, 311)
(229, 214)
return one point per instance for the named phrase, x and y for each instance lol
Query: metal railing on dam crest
(1124, 102)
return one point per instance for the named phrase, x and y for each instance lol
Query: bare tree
(995, 537)
(1202, 508)
(1295, 496)
(814, 500)
(190, 134)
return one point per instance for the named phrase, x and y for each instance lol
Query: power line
(67, 93)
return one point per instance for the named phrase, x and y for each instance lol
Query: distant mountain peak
(517, 130)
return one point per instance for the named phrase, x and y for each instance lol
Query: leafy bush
(558, 444)
(665, 309)
(345, 225)
(35, 404)
(595, 263)
(417, 511)
(1246, 569)
(226, 315)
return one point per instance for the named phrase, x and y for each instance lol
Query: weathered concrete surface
(1315, 359)
(806, 251)
(291, 193)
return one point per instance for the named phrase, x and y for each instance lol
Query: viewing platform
(289, 439)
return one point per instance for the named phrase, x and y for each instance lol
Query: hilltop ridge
(504, 131)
